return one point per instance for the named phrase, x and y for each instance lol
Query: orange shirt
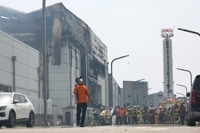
(120, 112)
(124, 112)
(81, 92)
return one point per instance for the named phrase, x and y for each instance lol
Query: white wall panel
(64, 50)
(6, 39)
(21, 69)
(33, 52)
(6, 64)
(6, 50)
(33, 94)
(19, 90)
(32, 73)
(33, 85)
(59, 95)
(21, 56)
(6, 78)
(58, 86)
(63, 59)
(20, 45)
(73, 70)
(33, 61)
(53, 68)
(21, 82)
(62, 68)
(57, 77)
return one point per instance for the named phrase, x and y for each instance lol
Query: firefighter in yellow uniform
(93, 122)
(103, 116)
(130, 114)
(176, 115)
(151, 112)
(139, 115)
(135, 119)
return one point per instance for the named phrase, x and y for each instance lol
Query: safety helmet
(160, 107)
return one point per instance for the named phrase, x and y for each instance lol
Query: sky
(133, 27)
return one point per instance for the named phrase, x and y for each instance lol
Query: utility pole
(44, 62)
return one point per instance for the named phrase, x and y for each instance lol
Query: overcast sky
(134, 27)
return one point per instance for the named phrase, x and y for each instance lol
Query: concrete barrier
(39, 120)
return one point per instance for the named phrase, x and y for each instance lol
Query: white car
(16, 108)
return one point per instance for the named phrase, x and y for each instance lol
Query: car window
(16, 96)
(196, 85)
(22, 99)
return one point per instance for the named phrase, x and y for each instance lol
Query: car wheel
(31, 120)
(11, 120)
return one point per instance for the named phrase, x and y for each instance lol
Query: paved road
(106, 129)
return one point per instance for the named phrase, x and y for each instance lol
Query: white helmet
(160, 107)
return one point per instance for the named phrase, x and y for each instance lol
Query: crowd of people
(176, 114)
(126, 115)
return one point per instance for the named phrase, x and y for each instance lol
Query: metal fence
(38, 104)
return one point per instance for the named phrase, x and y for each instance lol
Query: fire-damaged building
(73, 50)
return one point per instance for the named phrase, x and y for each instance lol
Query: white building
(18, 66)
(62, 78)
(114, 93)
(155, 98)
(73, 50)
(135, 93)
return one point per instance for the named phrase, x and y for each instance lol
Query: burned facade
(73, 49)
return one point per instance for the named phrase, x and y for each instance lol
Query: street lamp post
(183, 86)
(111, 101)
(180, 94)
(139, 80)
(194, 32)
(187, 71)
(183, 96)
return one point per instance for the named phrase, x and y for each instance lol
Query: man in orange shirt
(124, 114)
(119, 115)
(80, 93)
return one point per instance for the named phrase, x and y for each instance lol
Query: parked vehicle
(16, 108)
(194, 102)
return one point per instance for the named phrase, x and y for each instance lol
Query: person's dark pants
(125, 120)
(152, 119)
(144, 120)
(83, 107)
(182, 117)
(119, 120)
(161, 119)
(135, 120)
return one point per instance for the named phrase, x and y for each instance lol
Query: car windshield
(5, 98)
